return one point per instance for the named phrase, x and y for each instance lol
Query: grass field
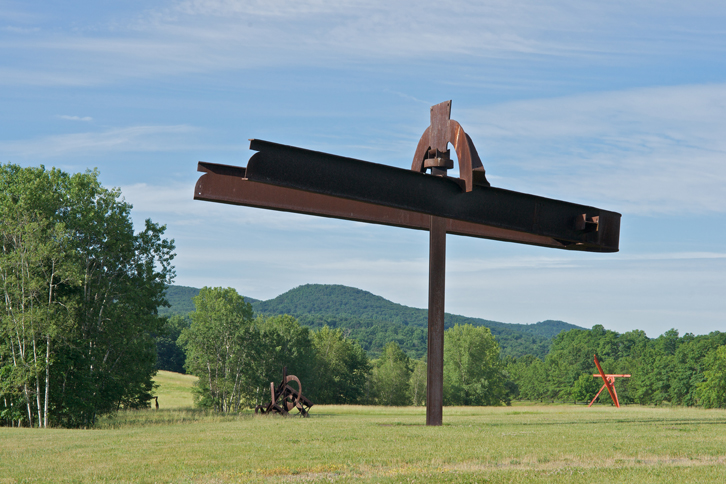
(527, 443)
(174, 390)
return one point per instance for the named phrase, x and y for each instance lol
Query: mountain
(180, 299)
(374, 321)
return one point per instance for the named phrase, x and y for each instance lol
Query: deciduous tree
(341, 368)
(711, 393)
(80, 292)
(389, 379)
(223, 347)
(472, 368)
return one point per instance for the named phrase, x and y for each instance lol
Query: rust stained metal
(227, 184)
(348, 178)
(432, 151)
(285, 398)
(435, 360)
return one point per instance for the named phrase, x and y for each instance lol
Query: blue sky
(621, 105)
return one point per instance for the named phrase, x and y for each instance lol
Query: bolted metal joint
(439, 162)
(586, 224)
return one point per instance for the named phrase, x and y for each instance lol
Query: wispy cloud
(75, 118)
(263, 253)
(644, 151)
(19, 30)
(129, 139)
(213, 35)
(678, 290)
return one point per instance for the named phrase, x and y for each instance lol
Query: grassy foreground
(524, 444)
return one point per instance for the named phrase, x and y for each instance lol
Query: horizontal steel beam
(227, 184)
(576, 227)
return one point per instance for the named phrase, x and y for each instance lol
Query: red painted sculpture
(609, 383)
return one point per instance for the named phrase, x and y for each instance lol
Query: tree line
(80, 291)
(670, 369)
(236, 355)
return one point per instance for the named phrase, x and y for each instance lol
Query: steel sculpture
(608, 382)
(286, 178)
(285, 398)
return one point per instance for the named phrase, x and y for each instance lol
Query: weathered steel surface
(437, 286)
(363, 181)
(432, 151)
(284, 398)
(227, 184)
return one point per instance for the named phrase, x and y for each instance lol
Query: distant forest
(546, 361)
(374, 321)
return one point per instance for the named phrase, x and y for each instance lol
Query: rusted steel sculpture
(608, 382)
(291, 179)
(285, 398)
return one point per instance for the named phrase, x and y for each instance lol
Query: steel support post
(435, 366)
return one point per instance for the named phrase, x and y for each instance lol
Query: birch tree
(32, 266)
(223, 349)
(80, 292)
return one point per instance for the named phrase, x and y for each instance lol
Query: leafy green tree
(472, 368)
(390, 377)
(585, 388)
(80, 292)
(284, 344)
(170, 356)
(123, 277)
(222, 347)
(341, 368)
(711, 392)
(530, 377)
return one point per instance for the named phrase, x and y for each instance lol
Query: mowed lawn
(523, 443)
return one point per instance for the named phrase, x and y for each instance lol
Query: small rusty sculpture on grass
(285, 398)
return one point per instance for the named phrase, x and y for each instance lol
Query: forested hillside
(180, 300)
(375, 321)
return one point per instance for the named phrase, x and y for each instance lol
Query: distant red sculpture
(609, 383)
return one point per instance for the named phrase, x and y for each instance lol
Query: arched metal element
(432, 151)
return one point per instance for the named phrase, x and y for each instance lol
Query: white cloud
(212, 35)
(264, 253)
(175, 206)
(644, 151)
(129, 139)
(75, 118)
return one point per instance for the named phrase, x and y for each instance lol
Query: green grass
(174, 389)
(521, 444)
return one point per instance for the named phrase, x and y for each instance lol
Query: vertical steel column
(435, 366)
